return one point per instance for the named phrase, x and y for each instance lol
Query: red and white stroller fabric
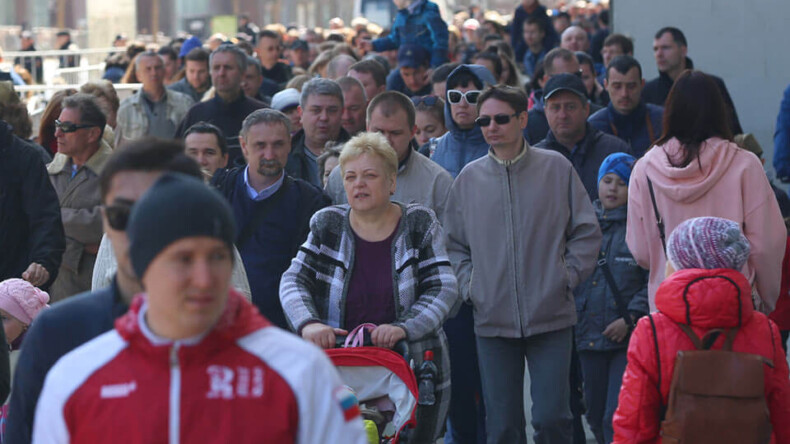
(380, 377)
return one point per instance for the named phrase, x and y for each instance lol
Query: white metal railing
(62, 52)
(81, 74)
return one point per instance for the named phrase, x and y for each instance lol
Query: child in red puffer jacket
(708, 291)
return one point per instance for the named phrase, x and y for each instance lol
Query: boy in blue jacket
(418, 22)
(610, 301)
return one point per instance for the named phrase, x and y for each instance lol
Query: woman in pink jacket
(696, 170)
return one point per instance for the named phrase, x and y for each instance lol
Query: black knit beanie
(177, 206)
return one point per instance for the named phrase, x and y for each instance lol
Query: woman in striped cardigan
(376, 261)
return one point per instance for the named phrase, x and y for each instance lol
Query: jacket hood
(484, 76)
(718, 298)
(690, 183)
(238, 319)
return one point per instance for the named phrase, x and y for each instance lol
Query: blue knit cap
(190, 44)
(618, 163)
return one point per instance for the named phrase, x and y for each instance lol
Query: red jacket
(711, 304)
(245, 381)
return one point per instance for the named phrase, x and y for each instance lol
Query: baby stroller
(384, 384)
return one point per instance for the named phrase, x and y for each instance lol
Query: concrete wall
(745, 42)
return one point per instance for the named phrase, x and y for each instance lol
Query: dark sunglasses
(500, 119)
(429, 100)
(454, 96)
(68, 127)
(118, 214)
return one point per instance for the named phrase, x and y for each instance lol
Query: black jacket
(588, 155)
(56, 331)
(297, 159)
(31, 229)
(227, 116)
(657, 90)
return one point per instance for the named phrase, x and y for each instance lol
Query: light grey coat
(521, 235)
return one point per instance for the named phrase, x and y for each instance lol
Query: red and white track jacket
(245, 381)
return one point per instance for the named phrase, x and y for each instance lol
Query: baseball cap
(413, 56)
(299, 44)
(565, 82)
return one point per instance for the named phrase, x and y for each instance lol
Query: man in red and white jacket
(192, 361)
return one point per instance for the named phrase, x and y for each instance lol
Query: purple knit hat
(708, 242)
(22, 300)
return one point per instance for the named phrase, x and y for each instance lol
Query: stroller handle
(401, 347)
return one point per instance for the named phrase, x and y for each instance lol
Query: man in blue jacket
(628, 116)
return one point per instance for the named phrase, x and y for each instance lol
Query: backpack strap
(622, 307)
(659, 220)
(658, 365)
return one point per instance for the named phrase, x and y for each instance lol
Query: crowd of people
(465, 188)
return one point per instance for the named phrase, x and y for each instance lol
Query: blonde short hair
(370, 143)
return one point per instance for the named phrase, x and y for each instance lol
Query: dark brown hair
(515, 97)
(694, 112)
(46, 129)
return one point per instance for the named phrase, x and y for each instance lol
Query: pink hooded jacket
(731, 184)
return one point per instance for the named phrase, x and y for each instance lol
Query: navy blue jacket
(424, 27)
(632, 128)
(31, 229)
(550, 40)
(283, 229)
(587, 155)
(56, 331)
(596, 305)
(782, 139)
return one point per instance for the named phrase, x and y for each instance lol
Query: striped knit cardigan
(315, 286)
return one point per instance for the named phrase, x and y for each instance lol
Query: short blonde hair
(370, 143)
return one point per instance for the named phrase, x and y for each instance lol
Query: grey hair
(266, 115)
(320, 87)
(90, 112)
(254, 61)
(241, 56)
(146, 54)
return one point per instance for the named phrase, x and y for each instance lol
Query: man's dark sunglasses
(500, 119)
(118, 213)
(68, 127)
(429, 100)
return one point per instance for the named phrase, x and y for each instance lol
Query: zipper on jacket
(175, 396)
(512, 246)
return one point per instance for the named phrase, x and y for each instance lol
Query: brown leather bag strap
(693, 336)
(729, 337)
